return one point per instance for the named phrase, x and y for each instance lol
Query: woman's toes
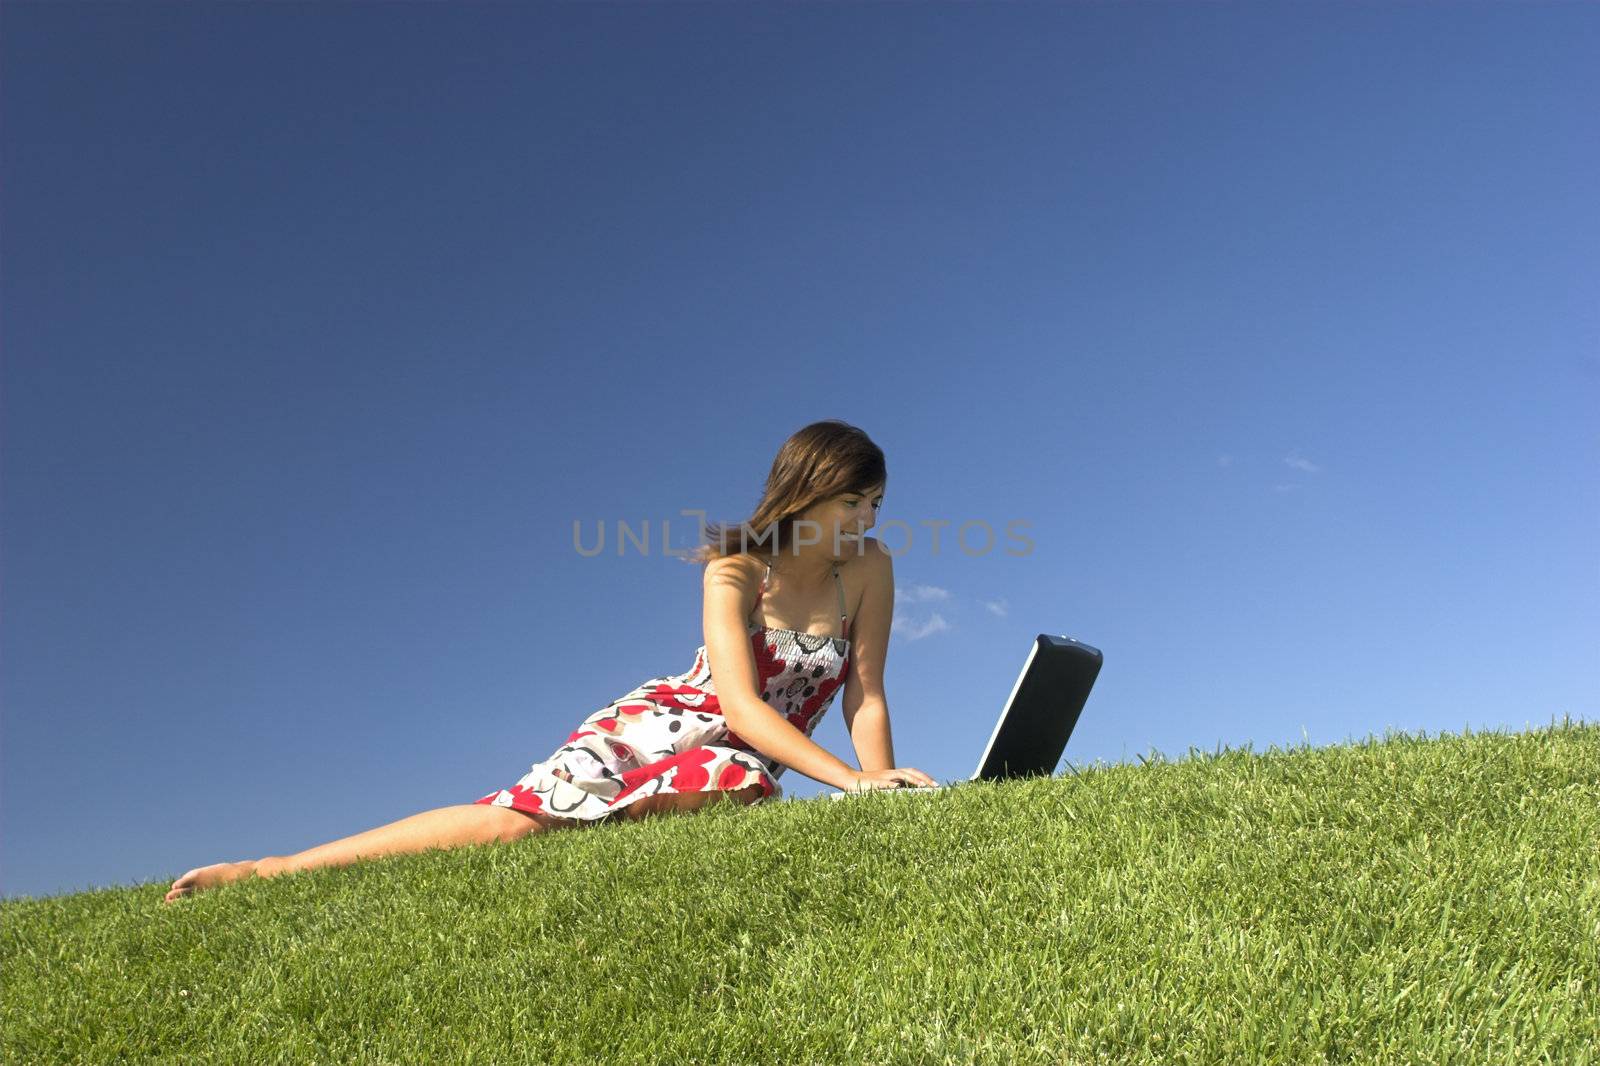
(204, 877)
(181, 887)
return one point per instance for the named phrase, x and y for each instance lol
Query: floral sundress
(669, 735)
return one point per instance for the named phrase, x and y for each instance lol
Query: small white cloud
(907, 629)
(1301, 464)
(919, 593)
(996, 607)
(1225, 460)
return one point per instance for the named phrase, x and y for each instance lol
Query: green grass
(1398, 900)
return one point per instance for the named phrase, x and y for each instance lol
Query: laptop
(1038, 716)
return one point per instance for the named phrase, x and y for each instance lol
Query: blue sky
(323, 324)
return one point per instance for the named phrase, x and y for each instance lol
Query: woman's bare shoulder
(869, 557)
(740, 567)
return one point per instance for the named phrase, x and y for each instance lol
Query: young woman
(773, 586)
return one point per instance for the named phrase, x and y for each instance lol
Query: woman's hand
(870, 780)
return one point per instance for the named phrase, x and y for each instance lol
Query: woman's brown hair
(824, 459)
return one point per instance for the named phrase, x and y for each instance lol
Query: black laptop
(1038, 716)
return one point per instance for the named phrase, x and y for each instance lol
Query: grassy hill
(1395, 900)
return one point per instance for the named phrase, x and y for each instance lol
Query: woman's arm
(730, 595)
(776, 737)
(865, 707)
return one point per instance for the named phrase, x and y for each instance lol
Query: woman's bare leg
(443, 827)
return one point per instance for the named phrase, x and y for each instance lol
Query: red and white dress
(668, 735)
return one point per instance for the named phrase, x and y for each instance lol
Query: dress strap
(844, 623)
(762, 591)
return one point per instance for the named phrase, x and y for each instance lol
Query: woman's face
(842, 520)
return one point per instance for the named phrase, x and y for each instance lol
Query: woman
(677, 743)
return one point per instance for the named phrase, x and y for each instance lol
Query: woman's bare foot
(204, 877)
